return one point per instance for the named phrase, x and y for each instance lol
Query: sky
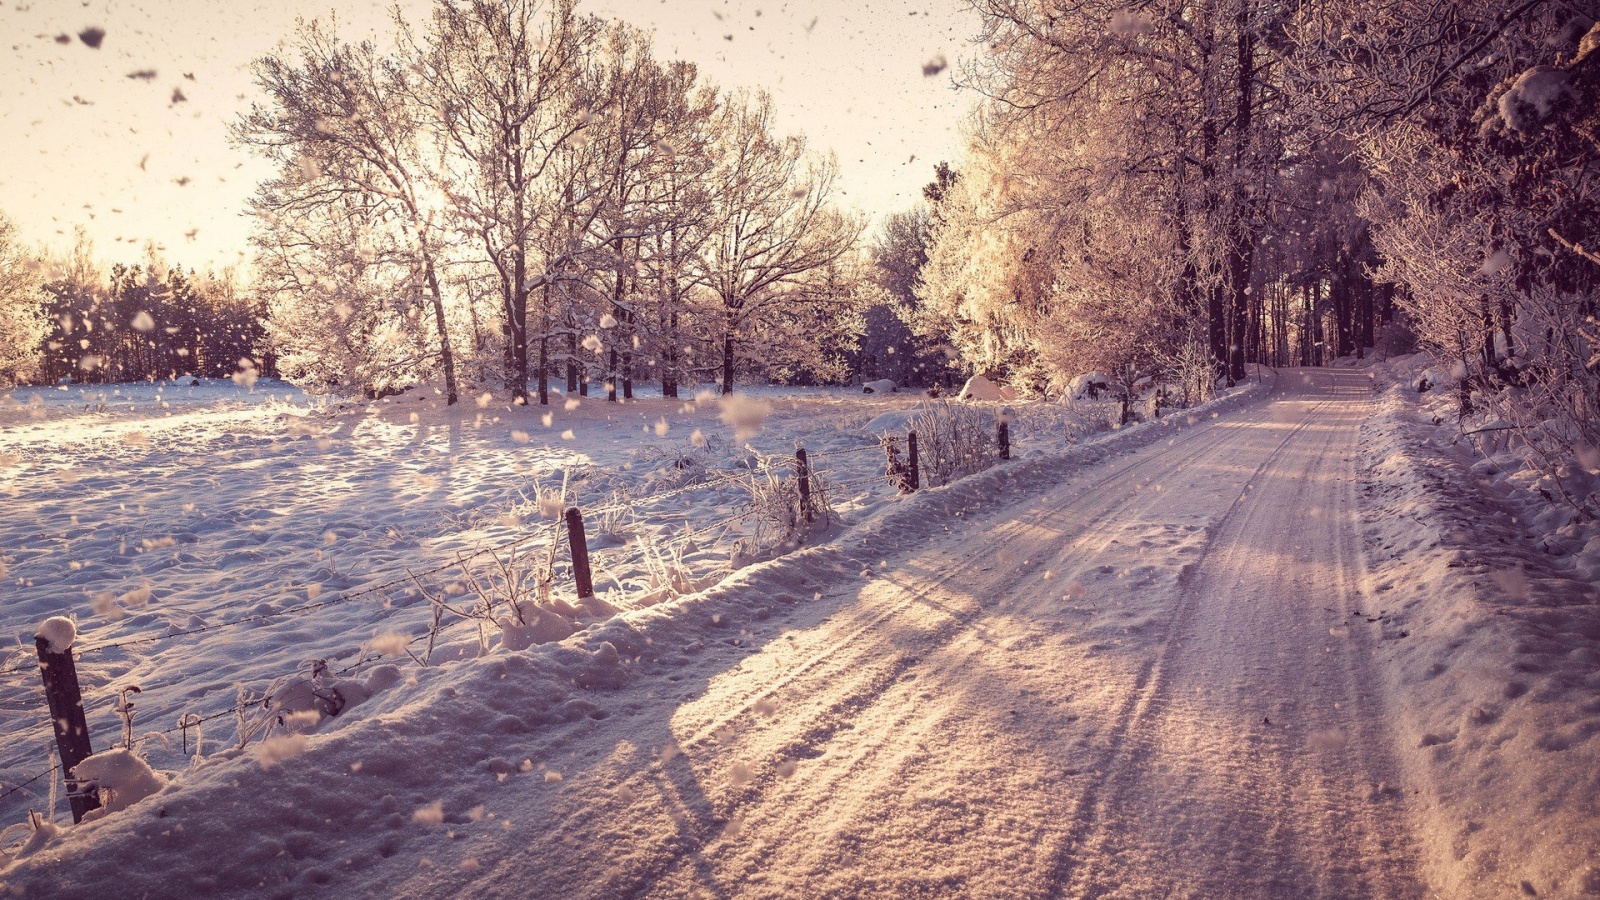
(130, 139)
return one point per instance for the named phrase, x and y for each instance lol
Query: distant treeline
(145, 321)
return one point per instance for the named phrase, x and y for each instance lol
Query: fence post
(61, 692)
(803, 473)
(580, 553)
(1004, 435)
(911, 461)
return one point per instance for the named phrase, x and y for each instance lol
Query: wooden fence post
(61, 691)
(803, 473)
(911, 461)
(1004, 435)
(580, 553)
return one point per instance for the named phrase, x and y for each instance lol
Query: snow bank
(979, 388)
(1491, 646)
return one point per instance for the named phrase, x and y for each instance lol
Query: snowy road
(1143, 682)
(1145, 677)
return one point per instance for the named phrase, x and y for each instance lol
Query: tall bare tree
(349, 117)
(774, 225)
(503, 83)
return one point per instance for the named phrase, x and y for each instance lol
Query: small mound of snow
(1533, 97)
(980, 388)
(59, 633)
(1088, 386)
(1430, 378)
(1495, 262)
(121, 778)
(538, 625)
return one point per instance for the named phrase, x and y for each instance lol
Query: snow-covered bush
(1191, 371)
(510, 592)
(954, 440)
(779, 518)
(297, 704)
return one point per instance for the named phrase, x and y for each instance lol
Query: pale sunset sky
(147, 158)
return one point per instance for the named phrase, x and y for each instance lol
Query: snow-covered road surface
(1138, 677)
(1147, 681)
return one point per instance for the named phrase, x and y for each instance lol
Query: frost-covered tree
(1125, 155)
(332, 291)
(1476, 123)
(774, 226)
(680, 208)
(344, 122)
(144, 320)
(811, 336)
(23, 325)
(890, 348)
(622, 214)
(503, 80)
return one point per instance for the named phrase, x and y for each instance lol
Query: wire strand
(22, 784)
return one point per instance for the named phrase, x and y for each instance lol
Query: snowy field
(215, 538)
(1298, 643)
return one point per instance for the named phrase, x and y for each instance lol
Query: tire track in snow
(1079, 539)
(1149, 686)
(1142, 821)
(1005, 534)
(1090, 544)
(853, 672)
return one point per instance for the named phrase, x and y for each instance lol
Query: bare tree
(349, 116)
(658, 157)
(503, 83)
(774, 225)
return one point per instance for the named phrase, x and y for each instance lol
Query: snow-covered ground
(216, 537)
(1487, 600)
(1238, 652)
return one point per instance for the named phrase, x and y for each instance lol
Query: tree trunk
(1507, 317)
(1241, 240)
(669, 358)
(519, 333)
(508, 351)
(612, 378)
(1240, 257)
(1339, 296)
(447, 358)
(544, 346)
(572, 356)
(627, 357)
